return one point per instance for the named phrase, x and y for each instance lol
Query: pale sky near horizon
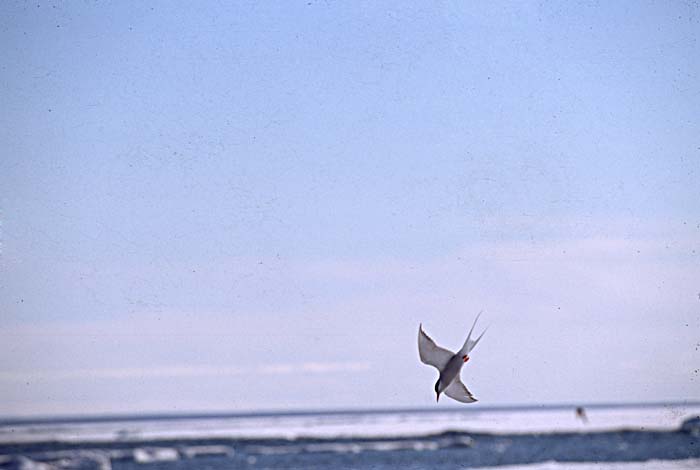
(252, 206)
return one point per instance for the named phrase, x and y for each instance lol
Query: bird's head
(437, 390)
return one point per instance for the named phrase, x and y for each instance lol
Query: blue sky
(252, 206)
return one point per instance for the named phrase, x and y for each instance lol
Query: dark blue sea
(595, 437)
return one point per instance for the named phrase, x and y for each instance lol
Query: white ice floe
(330, 425)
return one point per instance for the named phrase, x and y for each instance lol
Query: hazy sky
(246, 206)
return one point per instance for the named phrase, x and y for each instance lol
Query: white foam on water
(155, 454)
(686, 464)
(207, 450)
(93, 459)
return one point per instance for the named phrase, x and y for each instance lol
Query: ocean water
(609, 437)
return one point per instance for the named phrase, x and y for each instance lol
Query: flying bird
(449, 364)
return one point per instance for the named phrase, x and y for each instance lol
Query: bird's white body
(449, 364)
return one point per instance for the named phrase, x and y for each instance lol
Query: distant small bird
(581, 414)
(448, 364)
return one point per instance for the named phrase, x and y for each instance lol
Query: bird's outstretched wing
(430, 353)
(470, 343)
(458, 391)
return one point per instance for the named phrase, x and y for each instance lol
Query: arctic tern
(449, 364)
